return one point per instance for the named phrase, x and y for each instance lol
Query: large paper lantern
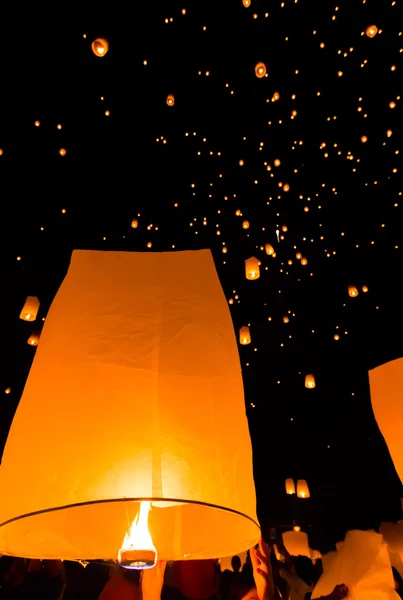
(290, 486)
(30, 309)
(302, 489)
(135, 395)
(252, 270)
(386, 385)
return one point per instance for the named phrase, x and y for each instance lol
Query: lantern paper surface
(30, 309)
(296, 543)
(362, 563)
(135, 393)
(393, 536)
(386, 385)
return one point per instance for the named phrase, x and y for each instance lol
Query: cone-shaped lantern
(135, 395)
(386, 385)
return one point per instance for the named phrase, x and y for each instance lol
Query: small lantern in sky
(30, 309)
(244, 336)
(100, 47)
(252, 270)
(126, 485)
(269, 249)
(245, 224)
(170, 100)
(260, 70)
(290, 486)
(352, 291)
(302, 489)
(310, 381)
(371, 31)
(33, 339)
(134, 224)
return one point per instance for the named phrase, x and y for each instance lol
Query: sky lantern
(302, 489)
(246, 3)
(304, 261)
(310, 381)
(269, 249)
(100, 47)
(252, 270)
(30, 309)
(244, 336)
(260, 70)
(170, 100)
(371, 31)
(62, 151)
(33, 339)
(277, 162)
(352, 291)
(245, 224)
(386, 387)
(134, 224)
(290, 487)
(126, 485)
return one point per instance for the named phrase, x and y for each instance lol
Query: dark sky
(179, 169)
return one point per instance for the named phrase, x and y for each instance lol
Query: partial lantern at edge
(244, 336)
(260, 70)
(30, 309)
(310, 382)
(100, 47)
(252, 270)
(302, 489)
(290, 486)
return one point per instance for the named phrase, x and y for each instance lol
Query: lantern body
(33, 339)
(269, 249)
(371, 31)
(252, 270)
(302, 489)
(386, 386)
(290, 486)
(260, 70)
(296, 543)
(170, 100)
(352, 291)
(139, 377)
(244, 336)
(310, 382)
(100, 47)
(30, 309)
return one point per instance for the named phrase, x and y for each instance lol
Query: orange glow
(244, 336)
(246, 3)
(260, 70)
(352, 291)
(138, 550)
(252, 270)
(310, 382)
(245, 225)
(170, 100)
(290, 486)
(62, 151)
(302, 489)
(371, 31)
(269, 249)
(100, 47)
(30, 309)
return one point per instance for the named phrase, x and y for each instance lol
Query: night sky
(202, 174)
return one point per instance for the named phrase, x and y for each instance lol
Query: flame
(138, 550)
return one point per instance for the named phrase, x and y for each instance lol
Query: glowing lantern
(298, 256)
(153, 378)
(245, 225)
(30, 309)
(364, 139)
(286, 187)
(33, 339)
(260, 70)
(371, 31)
(284, 228)
(310, 381)
(304, 261)
(244, 336)
(252, 270)
(37, 123)
(134, 224)
(364, 288)
(269, 249)
(62, 151)
(352, 291)
(286, 319)
(389, 133)
(246, 3)
(277, 162)
(276, 96)
(290, 487)
(302, 489)
(386, 386)
(170, 100)
(296, 528)
(100, 47)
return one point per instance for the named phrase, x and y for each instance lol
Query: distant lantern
(224, 249)
(284, 228)
(30, 309)
(106, 346)
(277, 162)
(37, 123)
(245, 225)
(364, 139)
(170, 100)
(260, 70)
(286, 319)
(246, 3)
(304, 261)
(100, 47)
(364, 288)
(33, 339)
(276, 96)
(352, 291)
(290, 486)
(336, 336)
(310, 381)
(371, 31)
(302, 489)
(286, 187)
(252, 270)
(298, 256)
(134, 224)
(269, 249)
(62, 151)
(389, 132)
(244, 336)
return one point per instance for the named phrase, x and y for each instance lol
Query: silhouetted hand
(152, 581)
(339, 592)
(262, 572)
